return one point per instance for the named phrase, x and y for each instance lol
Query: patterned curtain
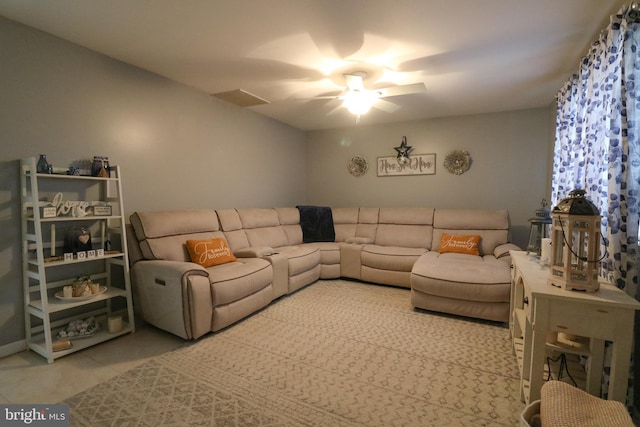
(597, 145)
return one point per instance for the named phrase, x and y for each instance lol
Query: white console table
(538, 308)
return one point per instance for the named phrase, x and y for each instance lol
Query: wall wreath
(457, 161)
(358, 166)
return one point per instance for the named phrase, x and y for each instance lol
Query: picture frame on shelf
(102, 210)
(48, 212)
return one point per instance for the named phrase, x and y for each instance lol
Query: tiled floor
(26, 377)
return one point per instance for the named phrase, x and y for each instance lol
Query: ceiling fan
(359, 100)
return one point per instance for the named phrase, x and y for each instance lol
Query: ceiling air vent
(241, 98)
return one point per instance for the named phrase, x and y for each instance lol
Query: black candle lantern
(575, 244)
(539, 228)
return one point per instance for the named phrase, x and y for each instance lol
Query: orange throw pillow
(459, 244)
(210, 252)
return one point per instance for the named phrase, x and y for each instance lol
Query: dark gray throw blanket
(317, 224)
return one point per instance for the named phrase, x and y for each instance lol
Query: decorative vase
(43, 165)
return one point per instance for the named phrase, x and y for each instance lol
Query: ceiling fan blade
(386, 106)
(403, 90)
(319, 97)
(339, 95)
(354, 81)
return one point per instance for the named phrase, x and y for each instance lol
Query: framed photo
(418, 164)
(102, 210)
(49, 212)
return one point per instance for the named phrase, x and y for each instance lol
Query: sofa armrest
(501, 252)
(255, 252)
(167, 295)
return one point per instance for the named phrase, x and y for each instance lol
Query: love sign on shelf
(75, 208)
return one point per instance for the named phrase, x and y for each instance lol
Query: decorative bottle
(43, 165)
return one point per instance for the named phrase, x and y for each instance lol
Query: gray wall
(177, 147)
(509, 169)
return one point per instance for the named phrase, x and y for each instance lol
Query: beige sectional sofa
(390, 246)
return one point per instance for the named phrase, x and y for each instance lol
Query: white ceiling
(474, 56)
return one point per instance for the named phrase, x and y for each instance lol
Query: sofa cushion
(367, 223)
(301, 258)
(266, 236)
(405, 227)
(410, 236)
(462, 268)
(416, 216)
(290, 221)
(471, 219)
(329, 252)
(163, 235)
(288, 216)
(459, 243)
(262, 227)
(173, 248)
(229, 219)
(237, 240)
(210, 252)
(345, 221)
(368, 215)
(150, 225)
(232, 226)
(329, 259)
(393, 258)
(236, 280)
(257, 218)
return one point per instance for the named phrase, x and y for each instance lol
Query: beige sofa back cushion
(406, 227)
(345, 221)
(163, 235)
(232, 226)
(367, 223)
(290, 221)
(262, 227)
(491, 225)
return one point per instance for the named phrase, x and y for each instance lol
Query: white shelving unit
(46, 271)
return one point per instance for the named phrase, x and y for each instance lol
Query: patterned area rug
(336, 353)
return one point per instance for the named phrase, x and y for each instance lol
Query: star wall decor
(403, 151)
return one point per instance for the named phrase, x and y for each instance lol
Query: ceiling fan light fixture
(359, 102)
